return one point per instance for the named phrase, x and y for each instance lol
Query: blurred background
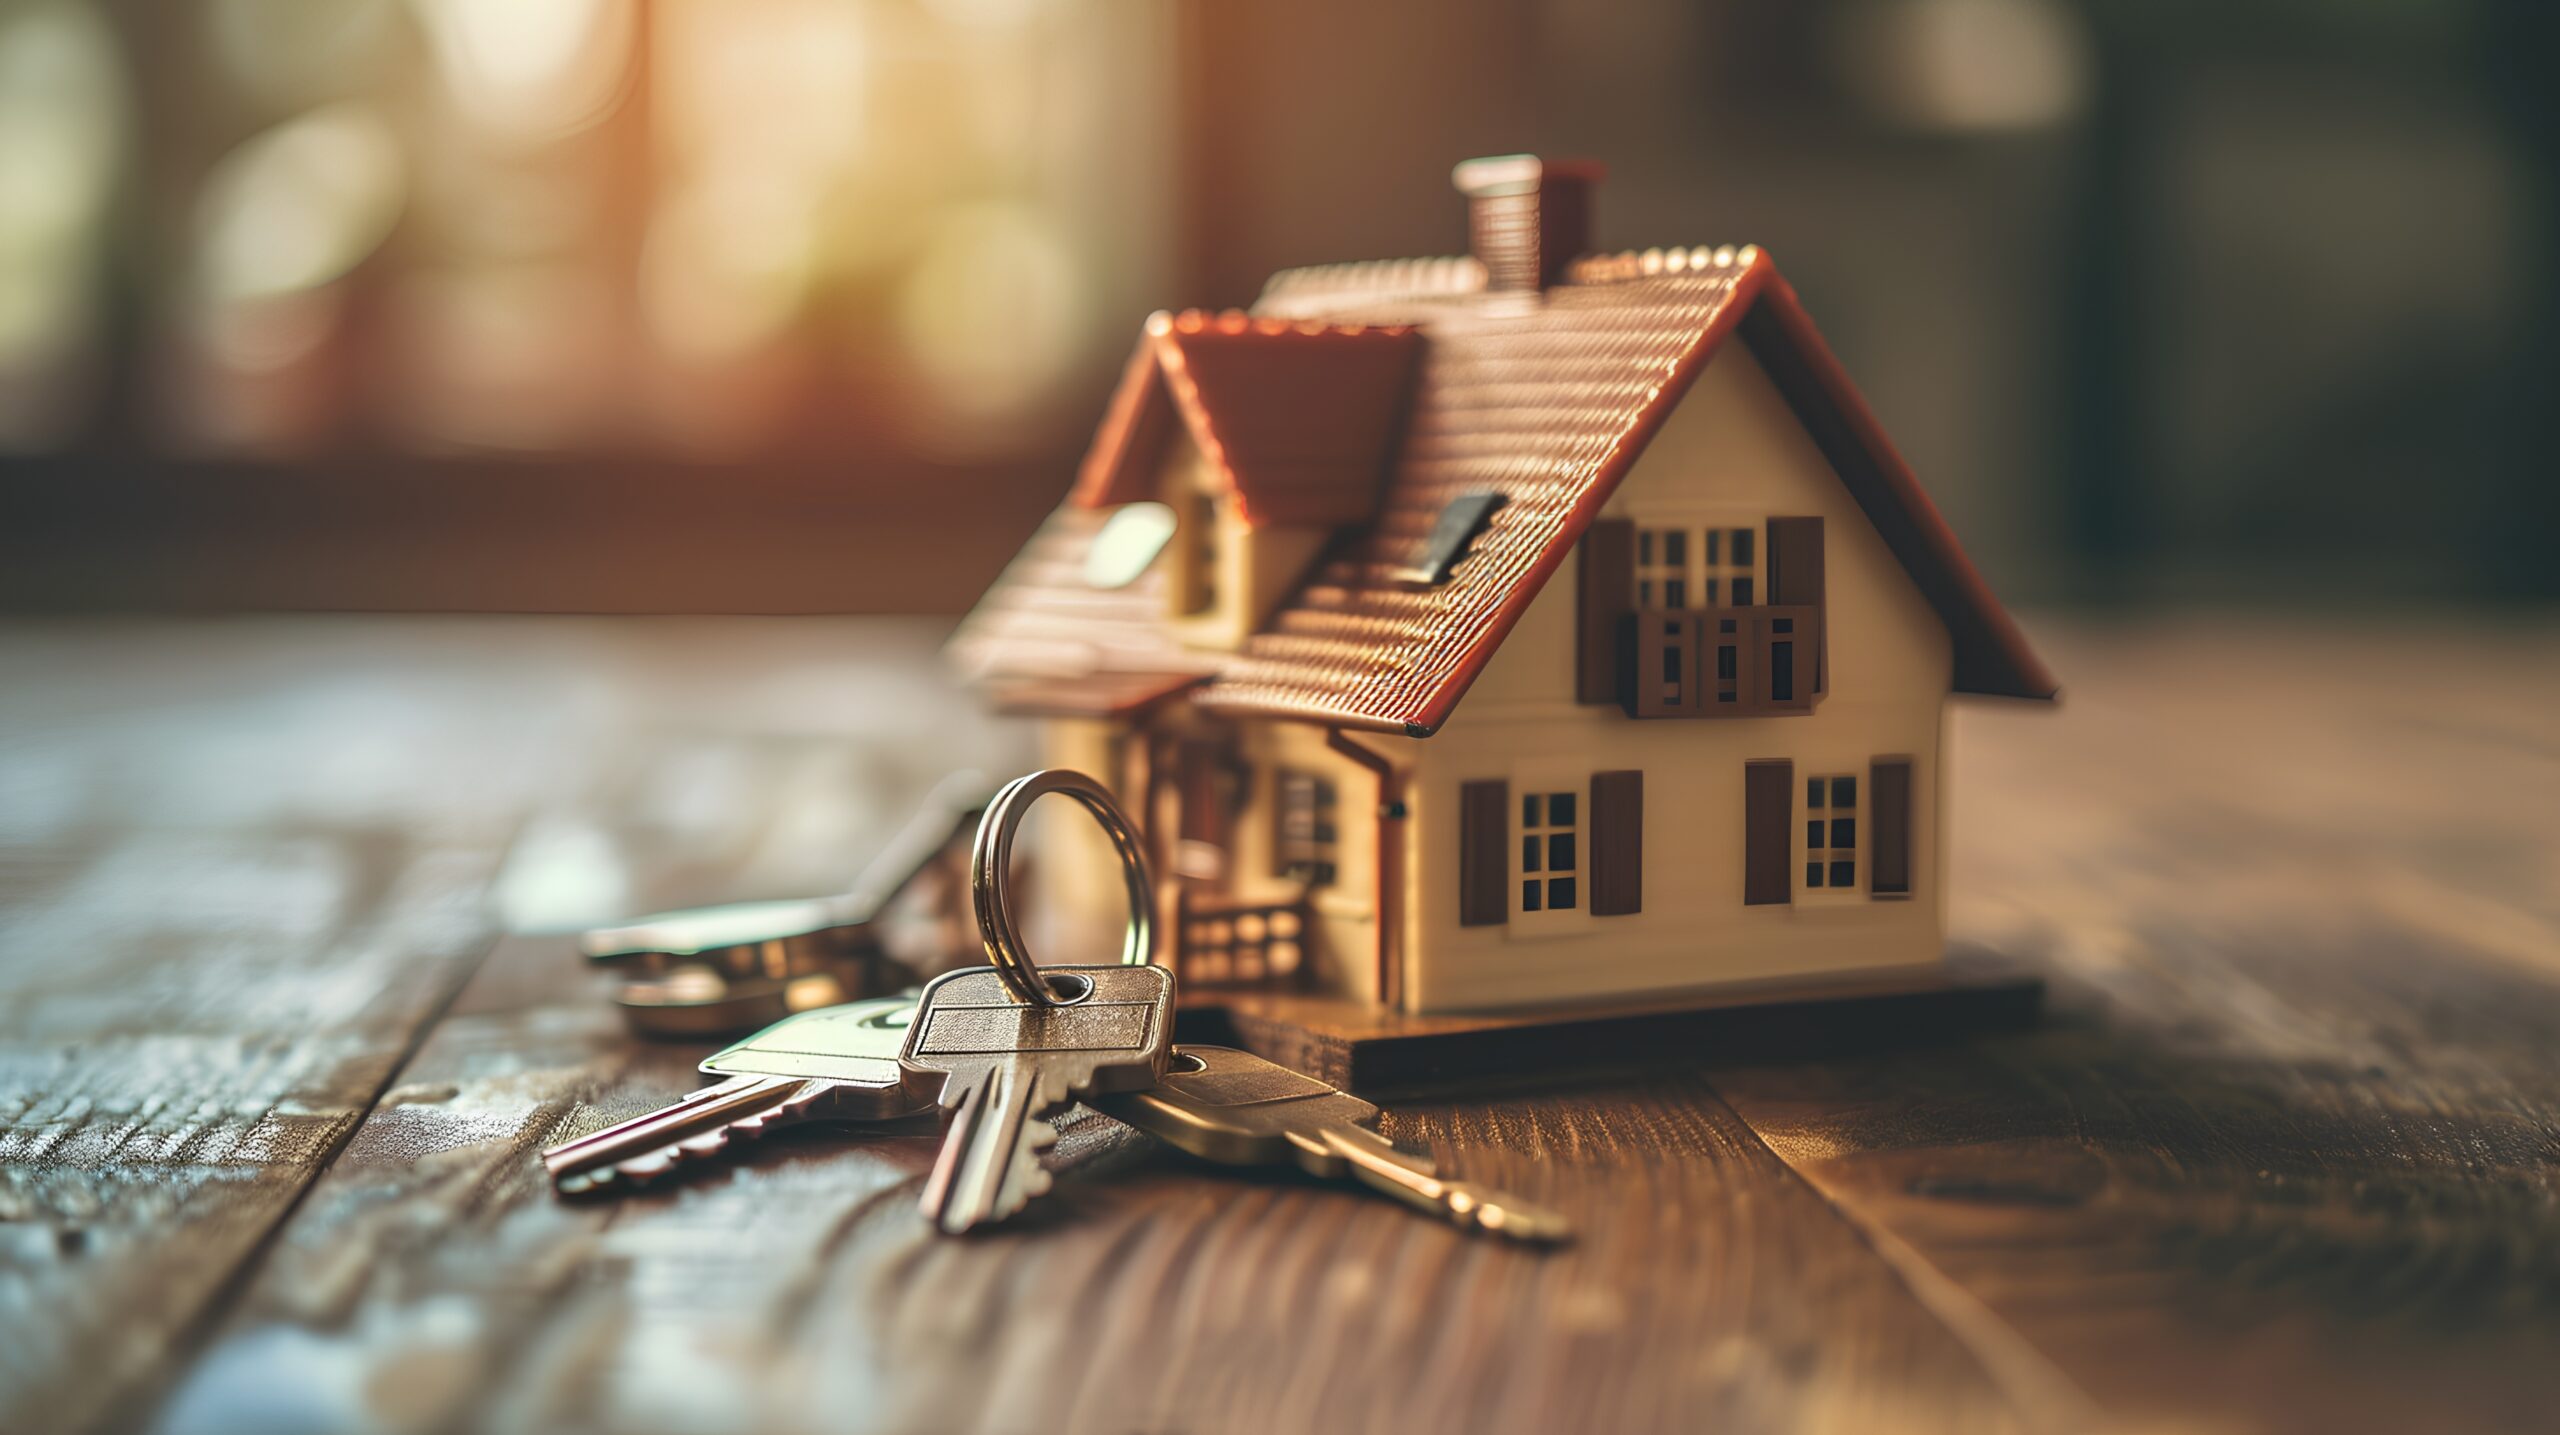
(810, 305)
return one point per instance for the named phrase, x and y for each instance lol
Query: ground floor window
(1550, 851)
(1831, 833)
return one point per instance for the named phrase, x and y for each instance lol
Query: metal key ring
(991, 857)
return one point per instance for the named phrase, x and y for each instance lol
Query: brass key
(1006, 1064)
(838, 1063)
(1236, 1109)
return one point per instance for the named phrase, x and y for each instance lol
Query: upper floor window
(1662, 568)
(1677, 566)
(1732, 567)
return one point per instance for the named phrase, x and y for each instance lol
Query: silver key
(1235, 1108)
(837, 1063)
(1006, 1065)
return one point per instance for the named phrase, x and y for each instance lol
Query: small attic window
(1461, 519)
(1129, 541)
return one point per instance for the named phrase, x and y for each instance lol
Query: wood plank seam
(2040, 1387)
(137, 1406)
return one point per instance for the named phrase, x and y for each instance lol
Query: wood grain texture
(212, 968)
(2282, 1159)
(433, 1282)
(243, 865)
(2287, 1155)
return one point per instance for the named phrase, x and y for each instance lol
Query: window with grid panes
(1830, 833)
(1305, 845)
(1732, 566)
(1662, 568)
(1550, 851)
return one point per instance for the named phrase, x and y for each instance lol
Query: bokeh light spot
(993, 316)
(536, 69)
(299, 205)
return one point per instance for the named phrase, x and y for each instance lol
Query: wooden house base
(1383, 1054)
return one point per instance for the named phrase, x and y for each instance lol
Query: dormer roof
(1297, 420)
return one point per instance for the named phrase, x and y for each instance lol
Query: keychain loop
(991, 858)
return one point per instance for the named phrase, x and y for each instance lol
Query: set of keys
(999, 1049)
(852, 1064)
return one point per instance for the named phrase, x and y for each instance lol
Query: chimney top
(1527, 217)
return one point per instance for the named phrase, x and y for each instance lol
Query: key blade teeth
(1025, 1177)
(964, 1194)
(644, 1150)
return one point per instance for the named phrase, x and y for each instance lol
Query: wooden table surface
(286, 1014)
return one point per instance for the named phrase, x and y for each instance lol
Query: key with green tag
(837, 1063)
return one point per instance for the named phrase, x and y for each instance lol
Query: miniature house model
(1520, 629)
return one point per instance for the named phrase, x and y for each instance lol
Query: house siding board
(1768, 833)
(1617, 844)
(1889, 826)
(1484, 854)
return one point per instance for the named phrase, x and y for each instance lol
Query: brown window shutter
(1484, 854)
(1604, 593)
(1889, 827)
(1617, 843)
(1768, 833)
(1795, 576)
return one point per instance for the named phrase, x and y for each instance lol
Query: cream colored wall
(1731, 455)
(1256, 567)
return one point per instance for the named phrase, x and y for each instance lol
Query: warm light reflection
(530, 68)
(299, 205)
(992, 316)
(987, 14)
(773, 86)
(726, 269)
(435, 222)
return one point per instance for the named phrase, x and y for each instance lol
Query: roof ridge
(1460, 274)
(1437, 274)
(1632, 264)
(1166, 322)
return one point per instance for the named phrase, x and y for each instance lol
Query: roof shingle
(1296, 419)
(1546, 399)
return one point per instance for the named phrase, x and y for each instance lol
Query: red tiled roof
(1042, 629)
(1297, 419)
(1548, 400)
